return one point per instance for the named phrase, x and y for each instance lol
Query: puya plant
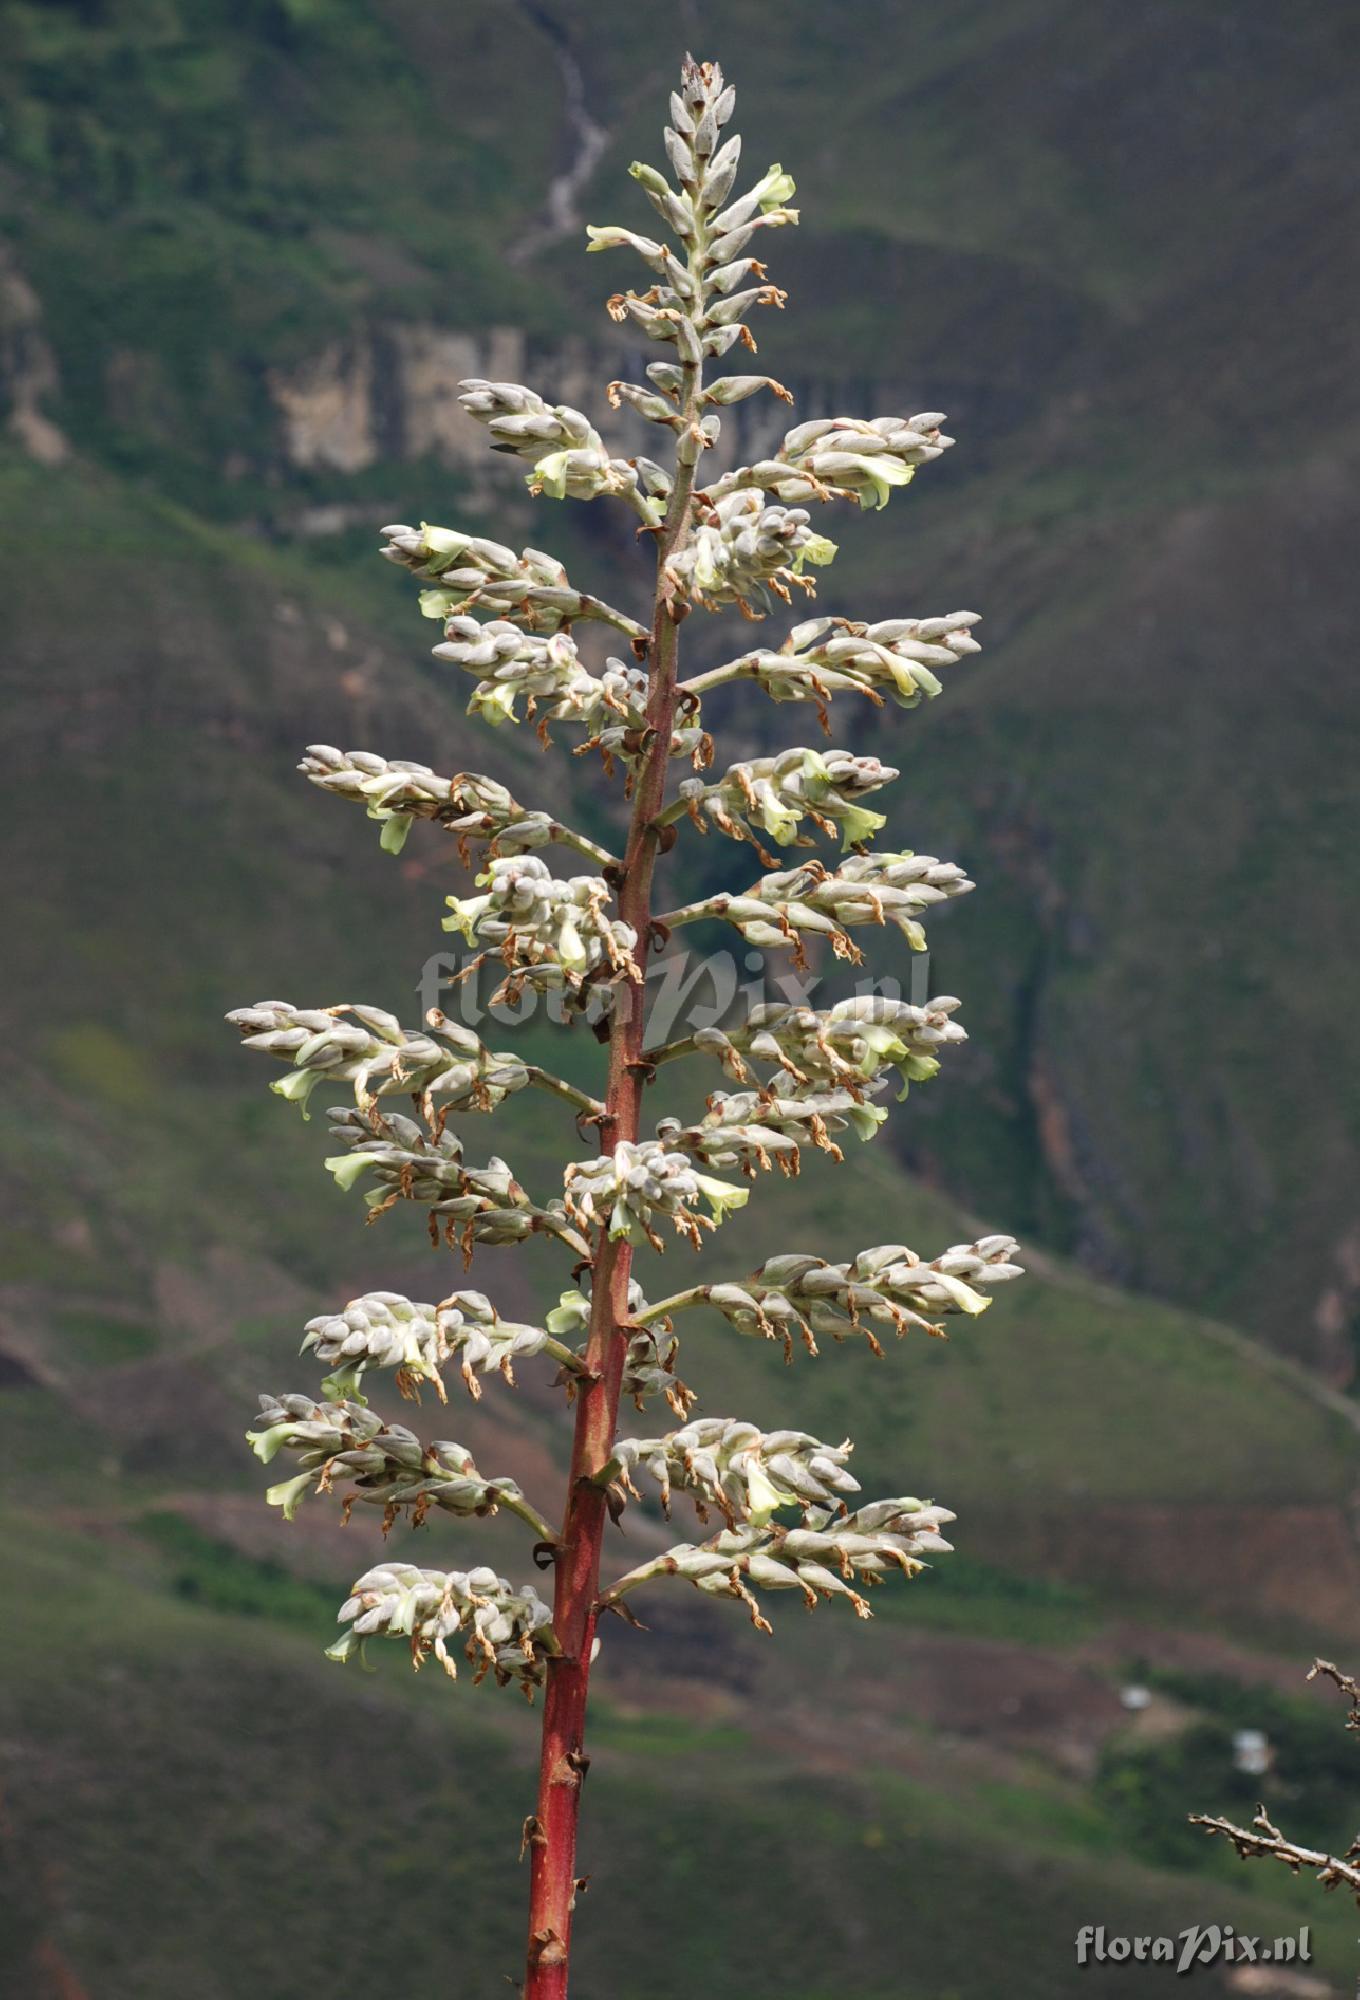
(778, 1509)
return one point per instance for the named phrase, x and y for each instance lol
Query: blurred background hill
(248, 253)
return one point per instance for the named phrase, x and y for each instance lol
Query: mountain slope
(1132, 1484)
(252, 250)
(396, 1804)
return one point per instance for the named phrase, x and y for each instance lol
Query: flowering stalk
(805, 1077)
(563, 1762)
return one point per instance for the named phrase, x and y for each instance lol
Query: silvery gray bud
(777, 793)
(568, 454)
(748, 553)
(847, 457)
(817, 1559)
(657, 408)
(889, 1284)
(649, 1371)
(736, 388)
(468, 571)
(676, 210)
(848, 1044)
(744, 1473)
(380, 1058)
(342, 1444)
(630, 1190)
(722, 171)
(477, 1204)
(896, 658)
(505, 1632)
(617, 720)
(752, 1130)
(536, 918)
(545, 672)
(872, 888)
(387, 1330)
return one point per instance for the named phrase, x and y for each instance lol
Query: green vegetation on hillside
(204, 197)
(246, 1765)
(1110, 245)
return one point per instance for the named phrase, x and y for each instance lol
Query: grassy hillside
(1062, 223)
(1109, 244)
(397, 1801)
(1133, 1484)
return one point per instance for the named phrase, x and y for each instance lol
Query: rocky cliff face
(1101, 917)
(224, 303)
(28, 368)
(390, 394)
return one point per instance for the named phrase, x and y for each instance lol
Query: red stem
(562, 1766)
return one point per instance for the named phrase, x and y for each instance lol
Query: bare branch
(1264, 1841)
(1347, 1685)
